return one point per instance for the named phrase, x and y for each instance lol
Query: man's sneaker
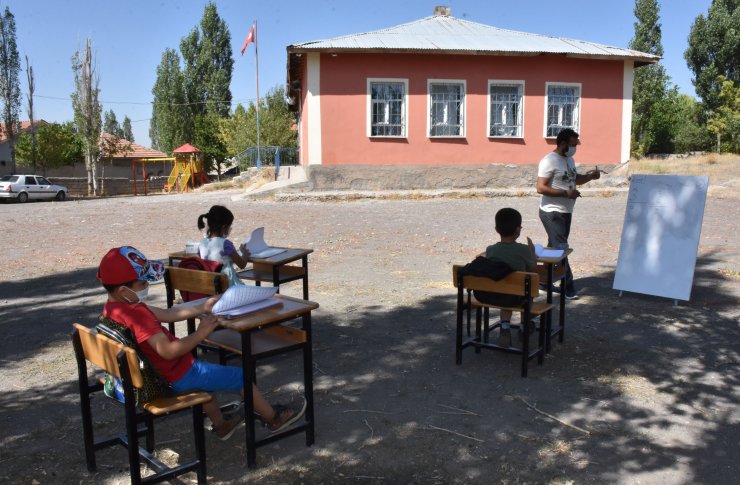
(571, 294)
(285, 415)
(227, 428)
(504, 338)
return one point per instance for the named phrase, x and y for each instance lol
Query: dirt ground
(642, 391)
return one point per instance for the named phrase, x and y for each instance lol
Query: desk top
(566, 253)
(291, 307)
(290, 254)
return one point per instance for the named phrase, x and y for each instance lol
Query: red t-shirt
(142, 322)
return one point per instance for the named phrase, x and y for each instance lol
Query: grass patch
(730, 273)
(721, 169)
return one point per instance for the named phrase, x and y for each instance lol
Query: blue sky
(129, 37)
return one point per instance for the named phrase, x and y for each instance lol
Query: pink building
(446, 91)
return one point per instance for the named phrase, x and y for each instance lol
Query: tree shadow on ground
(654, 385)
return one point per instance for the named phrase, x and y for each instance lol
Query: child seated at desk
(519, 257)
(215, 246)
(125, 273)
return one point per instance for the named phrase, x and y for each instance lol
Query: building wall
(344, 111)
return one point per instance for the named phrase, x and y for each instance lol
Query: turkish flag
(250, 38)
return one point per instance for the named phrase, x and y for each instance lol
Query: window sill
(506, 137)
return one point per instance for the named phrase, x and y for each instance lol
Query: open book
(242, 299)
(541, 252)
(257, 246)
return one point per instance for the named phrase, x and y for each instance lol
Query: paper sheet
(251, 308)
(257, 246)
(541, 252)
(241, 296)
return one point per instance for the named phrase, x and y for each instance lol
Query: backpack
(481, 266)
(154, 385)
(200, 264)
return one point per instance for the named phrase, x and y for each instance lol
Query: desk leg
(548, 325)
(276, 277)
(562, 311)
(304, 260)
(308, 378)
(248, 397)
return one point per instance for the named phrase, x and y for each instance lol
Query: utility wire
(232, 102)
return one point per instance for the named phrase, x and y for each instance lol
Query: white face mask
(570, 151)
(141, 295)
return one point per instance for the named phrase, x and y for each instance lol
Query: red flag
(250, 38)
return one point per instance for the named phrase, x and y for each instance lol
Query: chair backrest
(513, 284)
(193, 281)
(103, 352)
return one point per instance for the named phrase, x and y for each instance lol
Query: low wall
(394, 177)
(113, 185)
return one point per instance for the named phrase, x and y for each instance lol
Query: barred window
(387, 108)
(563, 102)
(506, 109)
(446, 109)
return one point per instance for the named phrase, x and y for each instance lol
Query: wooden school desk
(550, 263)
(274, 339)
(276, 269)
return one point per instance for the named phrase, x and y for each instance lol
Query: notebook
(542, 252)
(257, 246)
(241, 299)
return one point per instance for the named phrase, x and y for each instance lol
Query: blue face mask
(570, 151)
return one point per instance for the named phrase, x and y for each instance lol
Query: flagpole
(257, 61)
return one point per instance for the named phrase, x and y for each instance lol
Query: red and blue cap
(125, 264)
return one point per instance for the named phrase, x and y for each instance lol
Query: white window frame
(577, 126)
(503, 82)
(369, 114)
(464, 106)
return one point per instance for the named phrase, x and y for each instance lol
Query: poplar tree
(126, 127)
(10, 86)
(110, 124)
(171, 125)
(650, 83)
(87, 109)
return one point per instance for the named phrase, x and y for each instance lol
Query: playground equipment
(187, 172)
(144, 176)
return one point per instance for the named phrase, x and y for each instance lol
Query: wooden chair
(518, 283)
(203, 282)
(121, 361)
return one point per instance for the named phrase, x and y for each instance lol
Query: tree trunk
(90, 174)
(719, 144)
(102, 177)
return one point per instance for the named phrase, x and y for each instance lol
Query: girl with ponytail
(215, 246)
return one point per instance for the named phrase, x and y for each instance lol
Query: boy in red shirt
(125, 273)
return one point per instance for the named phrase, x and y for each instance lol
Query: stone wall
(394, 177)
(113, 185)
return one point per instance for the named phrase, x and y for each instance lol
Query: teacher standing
(556, 181)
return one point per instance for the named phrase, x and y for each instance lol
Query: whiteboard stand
(660, 235)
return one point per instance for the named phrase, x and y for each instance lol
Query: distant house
(447, 91)
(5, 161)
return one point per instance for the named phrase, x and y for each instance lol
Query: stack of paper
(241, 299)
(257, 246)
(541, 252)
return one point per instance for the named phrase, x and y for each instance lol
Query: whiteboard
(660, 236)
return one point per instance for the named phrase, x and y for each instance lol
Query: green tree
(57, 145)
(110, 124)
(208, 64)
(207, 138)
(725, 120)
(171, 125)
(689, 134)
(87, 109)
(31, 90)
(651, 81)
(126, 127)
(714, 50)
(10, 86)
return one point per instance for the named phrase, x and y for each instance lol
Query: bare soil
(641, 391)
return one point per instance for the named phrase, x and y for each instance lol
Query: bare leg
(261, 406)
(505, 315)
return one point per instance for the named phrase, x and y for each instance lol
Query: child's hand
(208, 323)
(245, 251)
(209, 303)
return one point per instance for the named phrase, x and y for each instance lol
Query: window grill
(387, 113)
(506, 110)
(446, 117)
(562, 108)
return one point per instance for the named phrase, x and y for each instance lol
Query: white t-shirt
(562, 173)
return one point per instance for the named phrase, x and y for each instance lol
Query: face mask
(570, 151)
(140, 295)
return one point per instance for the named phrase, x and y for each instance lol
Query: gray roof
(447, 34)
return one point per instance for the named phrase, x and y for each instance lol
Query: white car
(25, 187)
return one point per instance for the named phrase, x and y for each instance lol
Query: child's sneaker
(571, 294)
(227, 428)
(285, 415)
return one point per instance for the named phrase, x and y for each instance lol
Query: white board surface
(660, 236)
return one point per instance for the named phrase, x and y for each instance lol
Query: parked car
(25, 187)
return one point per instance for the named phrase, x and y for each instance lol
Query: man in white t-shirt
(556, 181)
